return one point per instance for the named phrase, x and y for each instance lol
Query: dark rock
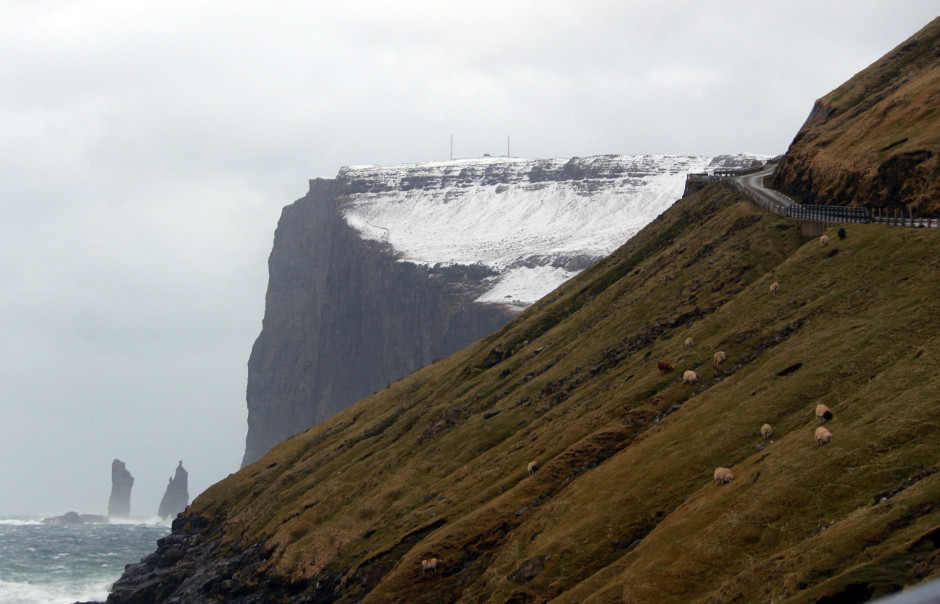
(529, 570)
(67, 518)
(788, 370)
(176, 497)
(191, 566)
(76, 518)
(119, 504)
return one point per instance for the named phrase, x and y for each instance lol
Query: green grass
(623, 506)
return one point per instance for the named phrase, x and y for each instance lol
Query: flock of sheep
(721, 475)
(823, 413)
(823, 437)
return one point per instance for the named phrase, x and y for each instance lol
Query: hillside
(875, 140)
(382, 269)
(623, 507)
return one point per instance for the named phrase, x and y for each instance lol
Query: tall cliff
(381, 270)
(343, 318)
(875, 140)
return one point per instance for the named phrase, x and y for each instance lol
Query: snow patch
(523, 286)
(501, 212)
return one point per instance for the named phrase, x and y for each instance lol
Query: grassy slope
(882, 124)
(623, 507)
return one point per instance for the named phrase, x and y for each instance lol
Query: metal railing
(836, 214)
(814, 213)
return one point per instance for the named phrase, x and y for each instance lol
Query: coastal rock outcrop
(119, 503)
(176, 497)
(76, 518)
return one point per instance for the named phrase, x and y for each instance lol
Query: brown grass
(623, 506)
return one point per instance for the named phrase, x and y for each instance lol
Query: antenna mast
(452, 146)
(507, 148)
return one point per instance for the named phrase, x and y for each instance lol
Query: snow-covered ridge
(536, 223)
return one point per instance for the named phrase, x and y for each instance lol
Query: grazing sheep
(664, 366)
(823, 436)
(533, 466)
(823, 413)
(431, 564)
(824, 240)
(841, 233)
(720, 358)
(689, 342)
(766, 431)
(689, 377)
(774, 287)
(723, 476)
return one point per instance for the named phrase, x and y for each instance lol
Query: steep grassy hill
(623, 507)
(875, 140)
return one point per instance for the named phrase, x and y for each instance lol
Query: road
(780, 203)
(753, 183)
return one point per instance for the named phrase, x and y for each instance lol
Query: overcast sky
(148, 147)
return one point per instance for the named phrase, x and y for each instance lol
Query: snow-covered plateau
(533, 223)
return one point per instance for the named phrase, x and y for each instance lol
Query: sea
(60, 563)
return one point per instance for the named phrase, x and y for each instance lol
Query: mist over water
(52, 564)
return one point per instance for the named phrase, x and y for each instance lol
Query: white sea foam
(51, 563)
(153, 521)
(15, 592)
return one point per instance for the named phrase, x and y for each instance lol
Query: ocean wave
(14, 592)
(154, 521)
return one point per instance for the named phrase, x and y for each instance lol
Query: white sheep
(774, 287)
(720, 357)
(431, 564)
(823, 413)
(766, 431)
(824, 240)
(689, 377)
(533, 466)
(723, 476)
(823, 436)
(689, 342)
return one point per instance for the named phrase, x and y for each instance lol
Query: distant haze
(148, 148)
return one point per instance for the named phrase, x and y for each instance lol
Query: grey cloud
(149, 147)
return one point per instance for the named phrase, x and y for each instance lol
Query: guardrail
(837, 214)
(897, 218)
(814, 213)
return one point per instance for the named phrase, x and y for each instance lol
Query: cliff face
(381, 270)
(344, 318)
(875, 140)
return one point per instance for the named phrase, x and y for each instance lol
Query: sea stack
(176, 497)
(119, 504)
